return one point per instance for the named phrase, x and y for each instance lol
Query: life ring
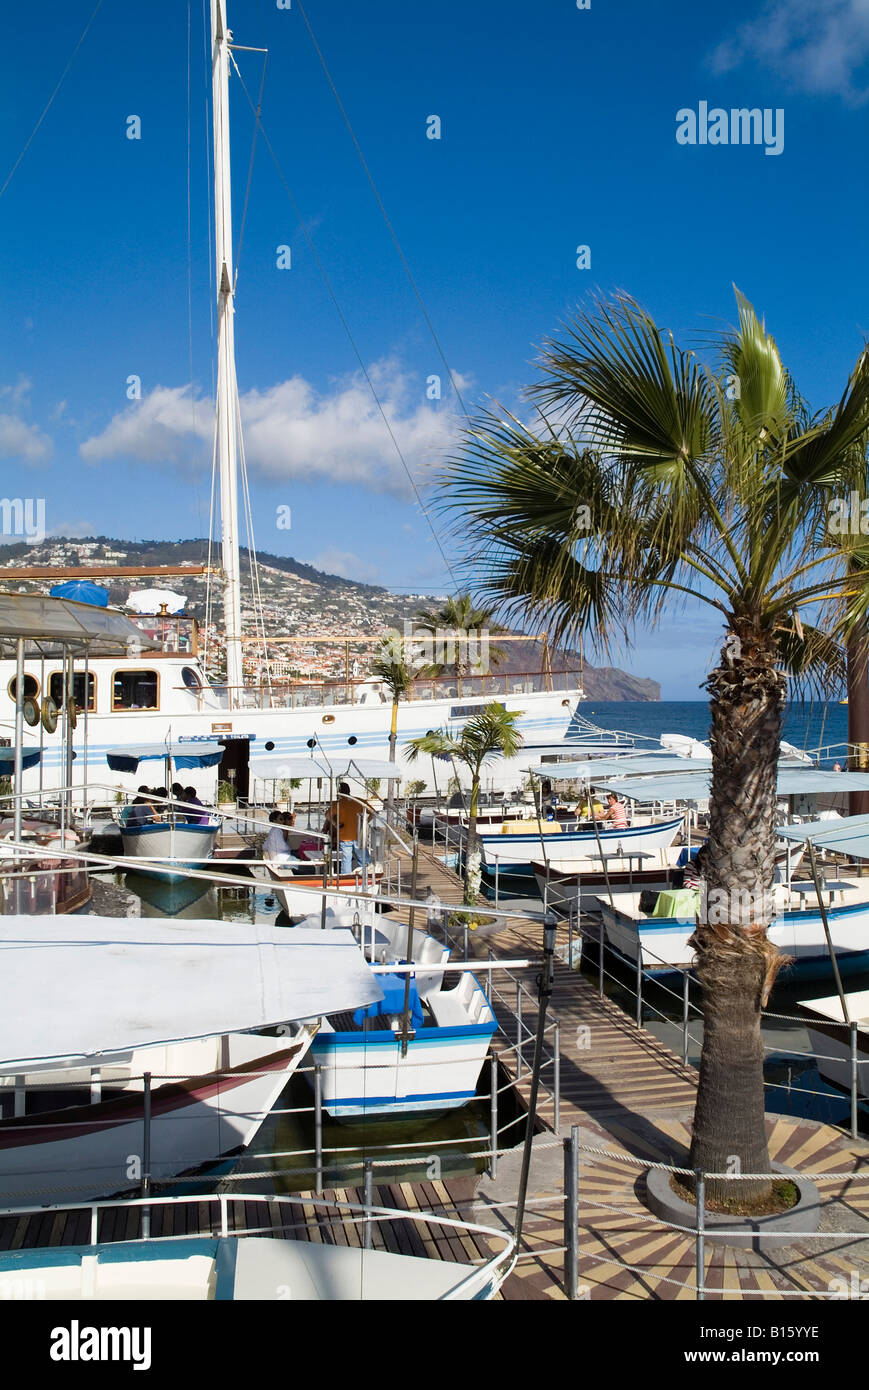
(49, 715)
(72, 712)
(31, 711)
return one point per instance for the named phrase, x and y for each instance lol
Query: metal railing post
(318, 1128)
(465, 941)
(368, 1201)
(639, 984)
(686, 985)
(497, 868)
(600, 949)
(852, 1029)
(570, 936)
(146, 1153)
(571, 1213)
(519, 1026)
(493, 1116)
(556, 1083)
(701, 1226)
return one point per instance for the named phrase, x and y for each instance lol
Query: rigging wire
(256, 127)
(328, 284)
(48, 104)
(380, 204)
(196, 469)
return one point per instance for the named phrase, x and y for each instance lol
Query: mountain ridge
(299, 599)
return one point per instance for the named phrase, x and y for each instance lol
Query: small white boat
(300, 891)
(91, 1004)
(167, 846)
(568, 887)
(795, 930)
(578, 885)
(235, 1265)
(830, 1038)
(173, 837)
(516, 848)
(365, 1069)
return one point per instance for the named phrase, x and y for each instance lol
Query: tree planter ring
(744, 1232)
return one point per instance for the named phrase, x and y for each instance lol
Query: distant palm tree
(390, 667)
(460, 623)
(492, 729)
(663, 476)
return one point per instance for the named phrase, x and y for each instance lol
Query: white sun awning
(80, 990)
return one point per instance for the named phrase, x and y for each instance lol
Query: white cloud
(22, 441)
(166, 426)
(19, 394)
(345, 564)
(822, 48)
(291, 430)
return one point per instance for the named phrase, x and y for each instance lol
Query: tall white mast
(227, 444)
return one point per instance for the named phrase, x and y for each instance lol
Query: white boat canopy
(637, 765)
(82, 990)
(150, 601)
(51, 626)
(694, 786)
(847, 836)
(319, 766)
(183, 755)
(632, 765)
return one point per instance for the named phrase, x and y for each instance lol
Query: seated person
(589, 809)
(275, 844)
(192, 799)
(140, 812)
(616, 812)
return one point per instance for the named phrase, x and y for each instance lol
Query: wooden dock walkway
(631, 1095)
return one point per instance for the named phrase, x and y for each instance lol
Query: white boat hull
(521, 850)
(90, 1151)
(798, 934)
(184, 845)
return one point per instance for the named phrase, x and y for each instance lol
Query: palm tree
(687, 479)
(492, 729)
(390, 666)
(456, 621)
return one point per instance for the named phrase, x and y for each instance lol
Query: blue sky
(558, 129)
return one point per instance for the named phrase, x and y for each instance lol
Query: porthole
(312, 743)
(31, 687)
(328, 719)
(352, 739)
(269, 746)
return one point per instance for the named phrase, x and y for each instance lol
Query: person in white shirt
(275, 845)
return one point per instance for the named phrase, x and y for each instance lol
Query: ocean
(809, 725)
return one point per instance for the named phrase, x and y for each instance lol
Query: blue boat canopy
(183, 755)
(694, 786)
(83, 591)
(850, 835)
(30, 758)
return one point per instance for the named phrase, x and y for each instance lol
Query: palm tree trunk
(393, 734)
(471, 842)
(736, 962)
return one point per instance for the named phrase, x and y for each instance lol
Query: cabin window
(190, 678)
(135, 690)
(55, 689)
(31, 687)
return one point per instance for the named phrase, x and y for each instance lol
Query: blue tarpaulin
(83, 591)
(183, 755)
(393, 1001)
